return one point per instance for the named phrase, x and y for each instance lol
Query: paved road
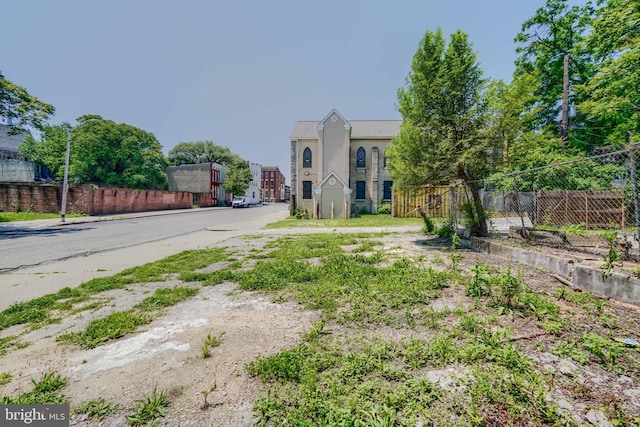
(43, 242)
(209, 227)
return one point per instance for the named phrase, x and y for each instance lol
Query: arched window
(306, 158)
(361, 158)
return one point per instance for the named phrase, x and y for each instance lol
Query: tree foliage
(444, 107)
(201, 152)
(102, 151)
(22, 108)
(615, 88)
(238, 178)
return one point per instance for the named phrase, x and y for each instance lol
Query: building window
(306, 189)
(384, 159)
(306, 158)
(386, 193)
(360, 186)
(273, 174)
(361, 158)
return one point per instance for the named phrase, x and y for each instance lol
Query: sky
(238, 72)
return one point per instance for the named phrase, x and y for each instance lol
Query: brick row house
(273, 184)
(339, 165)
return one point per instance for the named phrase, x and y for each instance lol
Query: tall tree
(237, 179)
(615, 88)
(554, 31)
(102, 151)
(201, 152)
(443, 105)
(21, 108)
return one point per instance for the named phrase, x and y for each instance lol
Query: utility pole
(564, 127)
(65, 182)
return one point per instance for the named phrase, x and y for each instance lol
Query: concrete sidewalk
(32, 282)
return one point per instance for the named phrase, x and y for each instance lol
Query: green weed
(209, 342)
(46, 390)
(5, 377)
(98, 409)
(149, 408)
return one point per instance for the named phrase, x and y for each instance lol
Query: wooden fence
(593, 208)
(439, 201)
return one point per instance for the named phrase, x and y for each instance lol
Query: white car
(239, 202)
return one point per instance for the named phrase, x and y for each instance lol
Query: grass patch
(107, 328)
(30, 216)
(11, 342)
(382, 220)
(46, 390)
(166, 297)
(37, 311)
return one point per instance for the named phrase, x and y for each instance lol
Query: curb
(618, 286)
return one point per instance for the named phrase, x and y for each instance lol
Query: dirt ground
(167, 352)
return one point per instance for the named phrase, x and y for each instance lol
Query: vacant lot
(326, 328)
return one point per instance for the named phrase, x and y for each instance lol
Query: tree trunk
(480, 219)
(481, 224)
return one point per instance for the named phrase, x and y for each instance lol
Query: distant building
(13, 166)
(337, 165)
(273, 184)
(9, 142)
(201, 178)
(254, 193)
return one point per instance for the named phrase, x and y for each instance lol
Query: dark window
(306, 158)
(361, 158)
(360, 186)
(384, 160)
(306, 189)
(386, 193)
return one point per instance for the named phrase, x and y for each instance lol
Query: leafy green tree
(237, 179)
(443, 135)
(50, 150)
(554, 31)
(23, 109)
(201, 152)
(615, 88)
(102, 151)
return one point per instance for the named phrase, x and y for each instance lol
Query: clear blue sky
(237, 72)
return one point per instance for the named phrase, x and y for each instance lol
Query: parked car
(239, 202)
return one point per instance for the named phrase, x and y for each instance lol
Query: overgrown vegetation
(360, 377)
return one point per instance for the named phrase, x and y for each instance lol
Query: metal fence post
(636, 197)
(525, 233)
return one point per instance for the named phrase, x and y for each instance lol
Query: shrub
(385, 208)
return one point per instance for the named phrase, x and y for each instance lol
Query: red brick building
(273, 184)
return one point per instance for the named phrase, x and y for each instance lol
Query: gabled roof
(360, 129)
(332, 174)
(10, 142)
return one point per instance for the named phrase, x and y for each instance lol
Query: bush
(385, 208)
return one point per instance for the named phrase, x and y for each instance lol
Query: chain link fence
(589, 204)
(585, 204)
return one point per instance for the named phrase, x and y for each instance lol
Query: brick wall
(89, 199)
